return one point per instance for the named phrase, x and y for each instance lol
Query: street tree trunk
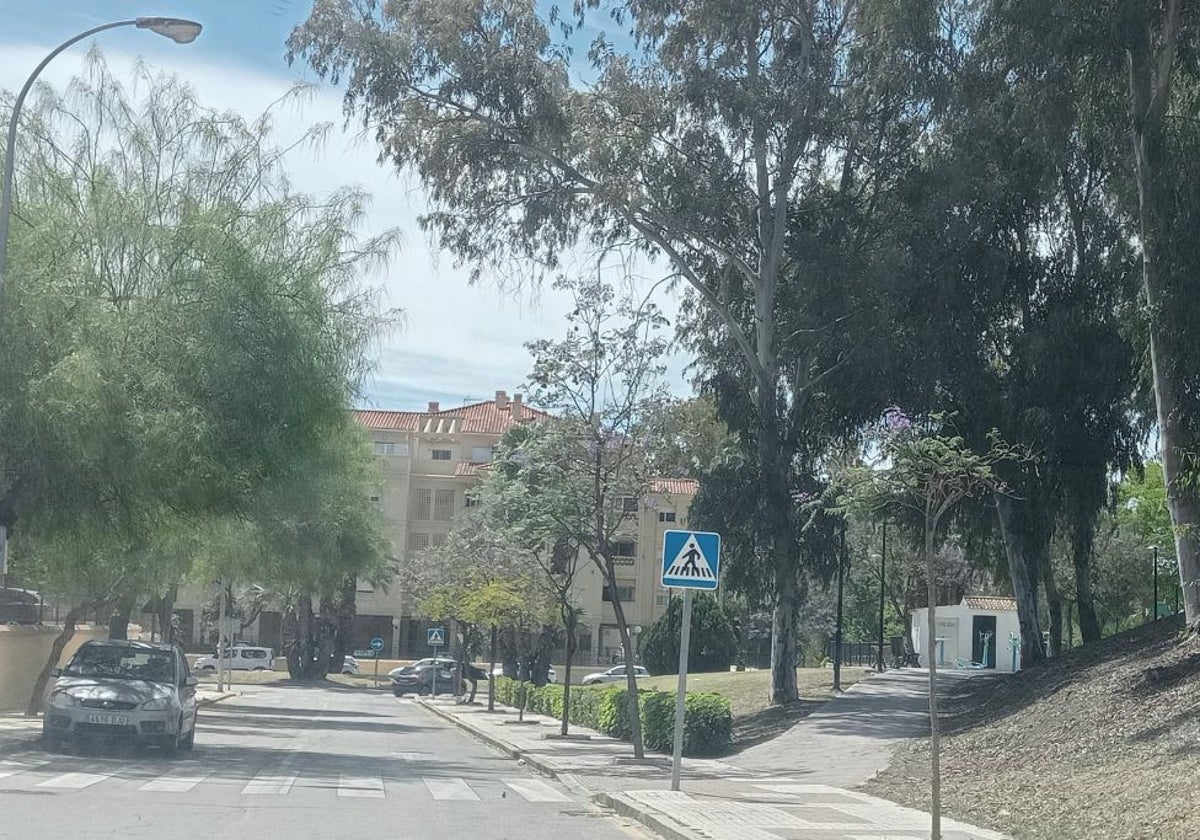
(118, 623)
(631, 686)
(1151, 69)
(1023, 589)
(935, 742)
(492, 673)
(56, 650)
(783, 640)
(1081, 555)
(1054, 607)
(571, 623)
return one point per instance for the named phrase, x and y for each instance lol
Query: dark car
(19, 606)
(420, 680)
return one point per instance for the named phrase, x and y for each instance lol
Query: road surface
(297, 762)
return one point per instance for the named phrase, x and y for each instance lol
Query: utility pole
(882, 582)
(221, 637)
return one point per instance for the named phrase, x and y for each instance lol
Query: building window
(630, 504)
(626, 549)
(440, 454)
(666, 516)
(481, 454)
(385, 447)
(443, 505)
(470, 501)
(625, 591)
(424, 507)
(662, 599)
(437, 540)
(417, 541)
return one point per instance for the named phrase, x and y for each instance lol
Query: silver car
(140, 691)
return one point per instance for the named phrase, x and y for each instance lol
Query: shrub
(612, 717)
(707, 724)
(712, 646)
(658, 721)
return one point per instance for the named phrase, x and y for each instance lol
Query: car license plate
(111, 720)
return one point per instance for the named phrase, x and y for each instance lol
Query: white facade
(966, 632)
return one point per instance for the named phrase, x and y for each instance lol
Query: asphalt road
(297, 762)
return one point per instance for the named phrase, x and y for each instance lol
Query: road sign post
(691, 560)
(376, 646)
(436, 637)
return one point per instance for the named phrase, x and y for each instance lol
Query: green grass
(748, 692)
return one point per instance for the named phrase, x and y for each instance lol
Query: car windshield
(110, 662)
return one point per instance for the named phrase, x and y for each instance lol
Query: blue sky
(458, 343)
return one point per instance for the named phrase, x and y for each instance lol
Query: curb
(208, 701)
(622, 806)
(491, 740)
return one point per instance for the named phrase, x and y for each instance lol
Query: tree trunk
(631, 686)
(1081, 555)
(492, 674)
(304, 657)
(1053, 606)
(1150, 77)
(935, 743)
(783, 641)
(1023, 589)
(570, 621)
(56, 649)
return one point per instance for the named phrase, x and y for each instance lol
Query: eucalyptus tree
(181, 333)
(699, 126)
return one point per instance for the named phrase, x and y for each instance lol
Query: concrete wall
(23, 653)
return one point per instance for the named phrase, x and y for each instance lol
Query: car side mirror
(56, 672)
(190, 682)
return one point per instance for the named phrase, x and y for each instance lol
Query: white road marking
(535, 790)
(269, 784)
(12, 768)
(173, 784)
(367, 787)
(75, 781)
(450, 789)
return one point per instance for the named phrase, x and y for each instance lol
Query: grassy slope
(1099, 744)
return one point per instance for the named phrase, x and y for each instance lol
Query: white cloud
(458, 341)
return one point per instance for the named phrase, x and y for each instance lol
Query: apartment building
(429, 460)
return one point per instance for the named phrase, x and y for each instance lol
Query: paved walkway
(852, 737)
(18, 731)
(774, 794)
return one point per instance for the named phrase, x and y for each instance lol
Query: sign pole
(433, 692)
(221, 638)
(685, 633)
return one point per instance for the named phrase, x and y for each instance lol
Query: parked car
(350, 665)
(120, 689)
(241, 658)
(445, 661)
(551, 675)
(19, 606)
(614, 674)
(420, 680)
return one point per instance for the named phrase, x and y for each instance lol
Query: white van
(241, 658)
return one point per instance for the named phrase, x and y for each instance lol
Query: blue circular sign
(377, 643)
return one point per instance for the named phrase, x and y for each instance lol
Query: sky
(456, 343)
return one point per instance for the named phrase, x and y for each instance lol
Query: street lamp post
(837, 644)
(1155, 606)
(178, 30)
(882, 583)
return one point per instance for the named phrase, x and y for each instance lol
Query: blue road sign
(435, 636)
(691, 559)
(377, 643)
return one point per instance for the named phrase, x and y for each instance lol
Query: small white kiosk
(980, 632)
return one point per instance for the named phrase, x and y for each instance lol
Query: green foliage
(712, 646)
(707, 719)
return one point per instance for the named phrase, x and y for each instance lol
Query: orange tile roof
(482, 418)
(466, 468)
(998, 603)
(675, 486)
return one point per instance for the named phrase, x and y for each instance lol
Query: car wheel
(424, 691)
(208, 668)
(53, 744)
(260, 668)
(190, 740)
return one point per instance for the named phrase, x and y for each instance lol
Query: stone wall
(23, 653)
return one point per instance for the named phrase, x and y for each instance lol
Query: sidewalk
(18, 732)
(772, 797)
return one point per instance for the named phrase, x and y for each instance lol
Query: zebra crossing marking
(364, 787)
(75, 780)
(450, 789)
(268, 784)
(173, 784)
(535, 790)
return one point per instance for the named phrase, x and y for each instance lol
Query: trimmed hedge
(707, 718)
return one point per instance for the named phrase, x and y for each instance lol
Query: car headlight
(158, 704)
(63, 700)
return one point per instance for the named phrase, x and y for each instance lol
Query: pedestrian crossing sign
(691, 559)
(435, 636)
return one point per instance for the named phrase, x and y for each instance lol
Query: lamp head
(177, 29)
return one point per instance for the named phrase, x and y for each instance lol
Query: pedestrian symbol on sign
(691, 559)
(435, 637)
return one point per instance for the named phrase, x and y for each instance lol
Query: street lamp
(837, 645)
(882, 588)
(177, 29)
